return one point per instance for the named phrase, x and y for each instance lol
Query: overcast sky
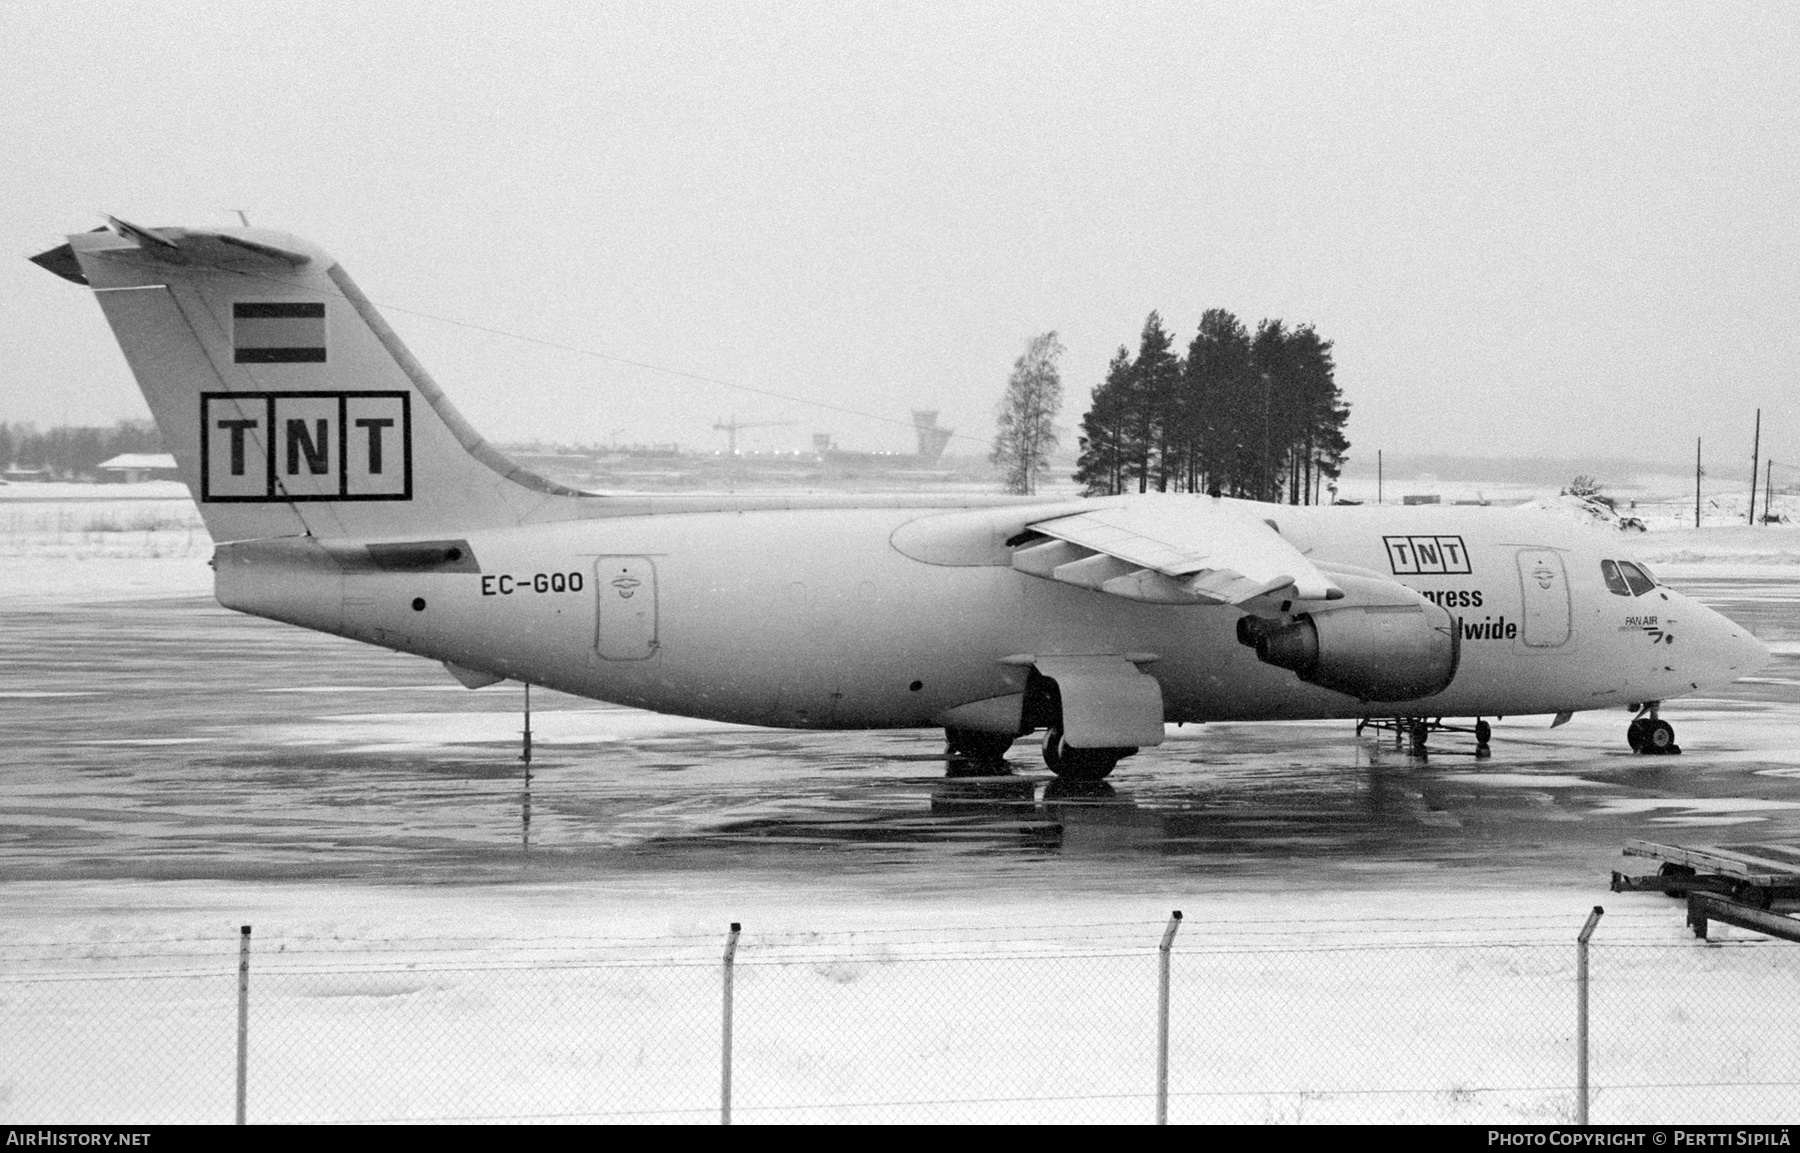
(1560, 229)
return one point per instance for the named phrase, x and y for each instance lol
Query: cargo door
(625, 624)
(1545, 598)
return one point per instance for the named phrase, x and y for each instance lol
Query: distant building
(135, 467)
(932, 439)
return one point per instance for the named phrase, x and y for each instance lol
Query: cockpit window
(1610, 570)
(1639, 580)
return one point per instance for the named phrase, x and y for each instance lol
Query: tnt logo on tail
(305, 446)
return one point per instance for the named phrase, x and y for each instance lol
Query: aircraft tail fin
(290, 405)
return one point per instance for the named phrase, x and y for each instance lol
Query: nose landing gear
(1650, 734)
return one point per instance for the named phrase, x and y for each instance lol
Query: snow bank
(28, 493)
(1585, 511)
(1725, 545)
(67, 544)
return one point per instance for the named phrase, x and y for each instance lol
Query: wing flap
(1173, 550)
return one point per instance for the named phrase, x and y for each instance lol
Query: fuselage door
(1545, 597)
(625, 617)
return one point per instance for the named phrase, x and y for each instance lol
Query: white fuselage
(890, 617)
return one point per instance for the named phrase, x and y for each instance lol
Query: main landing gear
(1073, 764)
(973, 753)
(1649, 733)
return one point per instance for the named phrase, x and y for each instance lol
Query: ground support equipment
(1752, 875)
(1704, 908)
(1419, 729)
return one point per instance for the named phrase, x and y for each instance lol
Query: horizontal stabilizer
(295, 259)
(61, 260)
(175, 245)
(145, 237)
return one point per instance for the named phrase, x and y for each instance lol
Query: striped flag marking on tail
(278, 331)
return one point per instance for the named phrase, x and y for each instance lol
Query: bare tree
(1026, 425)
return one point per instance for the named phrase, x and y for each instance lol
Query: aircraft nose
(1735, 648)
(1748, 654)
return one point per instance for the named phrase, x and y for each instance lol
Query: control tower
(932, 439)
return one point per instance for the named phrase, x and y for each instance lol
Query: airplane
(345, 494)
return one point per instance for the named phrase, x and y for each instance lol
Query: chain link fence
(1696, 1035)
(1388, 1021)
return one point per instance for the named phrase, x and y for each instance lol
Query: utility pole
(1696, 482)
(1755, 458)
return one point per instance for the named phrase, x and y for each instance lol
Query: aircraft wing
(1172, 550)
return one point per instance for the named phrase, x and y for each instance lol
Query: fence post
(243, 1052)
(725, 1049)
(1162, 1020)
(1581, 1016)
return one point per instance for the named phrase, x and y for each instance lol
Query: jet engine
(1382, 642)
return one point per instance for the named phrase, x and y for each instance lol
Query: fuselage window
(1614, 582)
(1637, 578)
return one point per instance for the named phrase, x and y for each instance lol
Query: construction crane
(730, 429)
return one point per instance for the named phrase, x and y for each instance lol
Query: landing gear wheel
(1674, 872)
(1484, 732)
(1634, 734)
(1420, 732)
(1744, 893)
(970, 745)
(1659, 737)
(1079, 764)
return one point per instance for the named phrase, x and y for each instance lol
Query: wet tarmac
(172, 739)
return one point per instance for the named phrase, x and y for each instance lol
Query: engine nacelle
(1383, 642)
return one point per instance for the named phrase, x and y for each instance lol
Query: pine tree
(1026, 432)
(1156, 393)
(1216, 381)
(1247, 416)
(1101, 468)
(1320, 440)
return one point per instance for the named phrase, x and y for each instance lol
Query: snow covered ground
(80, 543)
(995, 990)
(601, 1001)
